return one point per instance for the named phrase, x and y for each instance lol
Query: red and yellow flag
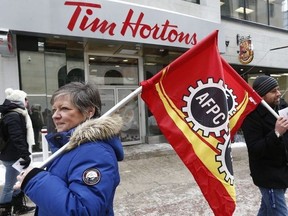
(198, 101)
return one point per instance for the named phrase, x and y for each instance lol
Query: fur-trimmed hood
(96, 129)
(93, 130)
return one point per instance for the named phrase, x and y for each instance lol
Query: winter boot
(19, 204)
(5, 209)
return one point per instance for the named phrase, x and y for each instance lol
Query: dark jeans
(273, 202)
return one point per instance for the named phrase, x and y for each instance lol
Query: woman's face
(65, 114)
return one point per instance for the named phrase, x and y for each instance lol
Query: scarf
(29, 127)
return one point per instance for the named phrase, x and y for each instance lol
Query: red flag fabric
(241, 98)
(197, 101)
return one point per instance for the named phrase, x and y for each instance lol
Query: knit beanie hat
(15, 95)
(263, 84)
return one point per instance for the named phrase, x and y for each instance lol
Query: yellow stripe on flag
(234, 119)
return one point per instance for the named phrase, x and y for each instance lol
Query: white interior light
(241, 10)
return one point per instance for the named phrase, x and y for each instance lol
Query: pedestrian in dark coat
(37, 123)
(17, 129)
(267, 143)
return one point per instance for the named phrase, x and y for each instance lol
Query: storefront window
(278, 13)
(32, 68)
(56, 71)
(272, 13)
(105, 70)
(46, 65)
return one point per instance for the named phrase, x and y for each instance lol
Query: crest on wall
(6, 43)
(246, 53)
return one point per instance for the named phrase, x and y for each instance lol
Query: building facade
(117, 44)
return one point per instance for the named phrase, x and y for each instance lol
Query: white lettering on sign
(86, 15)
(204, 101)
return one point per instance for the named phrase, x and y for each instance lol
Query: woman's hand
(21, 177)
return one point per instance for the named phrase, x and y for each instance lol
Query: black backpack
(3, 132)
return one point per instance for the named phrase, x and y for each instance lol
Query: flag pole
(270, 108)
(119, 105)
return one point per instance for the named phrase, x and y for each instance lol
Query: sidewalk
(155, 182)
(155, 185)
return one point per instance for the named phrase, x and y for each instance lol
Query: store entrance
(116, 78)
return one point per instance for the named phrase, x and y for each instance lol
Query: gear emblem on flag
(225, 159)
(206, 107)
(231, 101)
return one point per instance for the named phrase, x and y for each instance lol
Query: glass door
(130, 114)
(116, 78)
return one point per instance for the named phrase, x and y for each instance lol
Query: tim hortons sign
(84, 18)
(107, 20)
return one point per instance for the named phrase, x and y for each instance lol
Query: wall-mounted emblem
(246, 53)
(6, 43)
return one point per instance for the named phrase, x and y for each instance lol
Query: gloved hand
(26, 161)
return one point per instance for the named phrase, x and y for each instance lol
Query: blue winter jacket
(83, 180)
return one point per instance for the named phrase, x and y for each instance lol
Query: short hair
(83, 96)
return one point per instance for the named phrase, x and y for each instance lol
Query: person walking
(37, 123)
(18, 131)
(267, 143)
(83, 179)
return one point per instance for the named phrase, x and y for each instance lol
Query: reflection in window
(62, 76)
(130, 115)
(74, 75)
(113, 77)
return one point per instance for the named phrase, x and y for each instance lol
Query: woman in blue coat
(82, 180)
